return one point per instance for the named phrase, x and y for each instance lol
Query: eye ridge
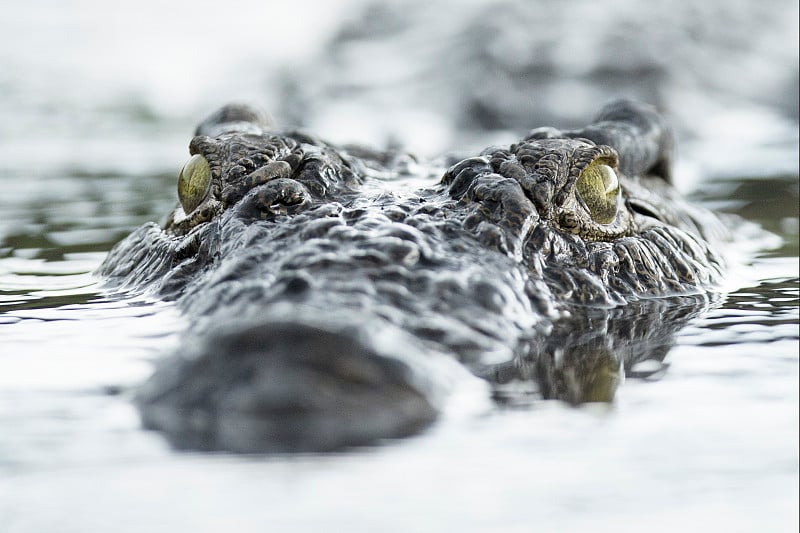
(598, 187)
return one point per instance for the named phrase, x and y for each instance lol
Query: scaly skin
(328, 298)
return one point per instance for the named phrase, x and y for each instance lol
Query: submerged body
(329, 300)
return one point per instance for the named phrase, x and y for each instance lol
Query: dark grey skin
(335, 295)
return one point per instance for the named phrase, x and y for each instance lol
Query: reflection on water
(588, 354)
(702, 432)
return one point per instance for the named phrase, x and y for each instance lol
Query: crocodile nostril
(297, 285)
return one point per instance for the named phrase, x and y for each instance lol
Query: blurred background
(98, 101)
(96, 83)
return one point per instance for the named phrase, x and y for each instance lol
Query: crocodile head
(332, 304)
(592, 211)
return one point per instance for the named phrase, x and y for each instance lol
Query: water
(95, 117)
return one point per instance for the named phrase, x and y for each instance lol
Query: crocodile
(340, 295)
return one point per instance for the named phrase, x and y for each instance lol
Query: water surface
(707, 442)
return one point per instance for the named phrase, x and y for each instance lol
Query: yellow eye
(598, 186)
(193, 182)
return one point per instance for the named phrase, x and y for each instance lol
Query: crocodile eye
(598, 186)
(193, 182)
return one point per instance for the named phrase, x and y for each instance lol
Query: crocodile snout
(289, 385)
